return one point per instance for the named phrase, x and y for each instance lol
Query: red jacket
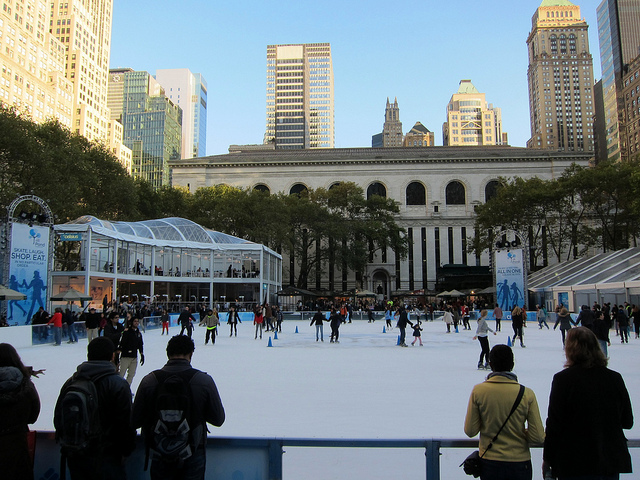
(56, 319)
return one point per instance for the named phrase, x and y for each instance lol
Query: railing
(261, 458)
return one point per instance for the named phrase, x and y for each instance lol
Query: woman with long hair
(589, 407)
(482, 334)
(517, 322)
(19, 406)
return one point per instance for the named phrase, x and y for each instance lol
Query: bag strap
(513, 409)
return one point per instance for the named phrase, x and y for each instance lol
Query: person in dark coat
(336, 319)
(114, 401)
(19, 406)
(601, 330)
(206, 408)
(565, 321)
(589, 407)
(623, 324)
(318, 319)
(403, 320)
(186, 321)
(586, 317)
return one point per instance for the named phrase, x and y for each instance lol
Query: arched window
(261, 187)
(334, 185)
(376, 188)
(553, 40)
(455, 193)
(491, 190)
(416, 194)
(297, 189)
(563, 44)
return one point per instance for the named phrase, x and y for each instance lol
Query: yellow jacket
(489, 405)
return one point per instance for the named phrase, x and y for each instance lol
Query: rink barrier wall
(259, 458)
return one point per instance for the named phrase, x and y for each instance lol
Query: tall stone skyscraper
(471, 121)
(300, 100)
(560, 76)
(619, 38)
(33, 63)
(84, 28)
(392, 128)
(188, 91)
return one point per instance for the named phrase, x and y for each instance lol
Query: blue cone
(457, 329)
(509, 344)
(296, 329)
(398, 340)
(270, 344)
(384, 329)
(275, 334)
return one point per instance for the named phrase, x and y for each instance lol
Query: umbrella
(455, 293)
(444, 294)
(8, 294)
(71, 295)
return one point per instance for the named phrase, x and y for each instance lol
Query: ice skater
(482, 336)
(416, 333)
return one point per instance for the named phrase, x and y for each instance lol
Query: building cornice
(380, 156)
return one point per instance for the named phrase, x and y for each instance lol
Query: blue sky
(417, 51)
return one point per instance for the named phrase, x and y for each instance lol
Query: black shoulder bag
(472, 465)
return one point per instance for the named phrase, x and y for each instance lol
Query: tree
(73, 175)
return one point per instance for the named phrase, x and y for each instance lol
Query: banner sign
(70, 237)
(28, 269)
(510, 280)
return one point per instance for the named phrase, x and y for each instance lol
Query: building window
(416, 194)
(297, 189)
(376, 188)
(455, 194)
(491, 190)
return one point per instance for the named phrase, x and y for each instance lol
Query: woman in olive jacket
(589, 407)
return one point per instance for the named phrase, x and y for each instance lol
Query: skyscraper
(33, 64)
(188, 91)
(392, 128)
(470, 120)
(84, 28)
(560, 77)
(152, 124)
(300, 110)
(619, 38)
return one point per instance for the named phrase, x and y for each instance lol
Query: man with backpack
(173, 406)
(92, 417)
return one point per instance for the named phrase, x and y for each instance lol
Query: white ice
(364, 387)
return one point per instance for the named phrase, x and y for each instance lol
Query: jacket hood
(11, 379)
(92, 368)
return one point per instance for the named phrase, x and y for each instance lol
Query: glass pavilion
(171, 261)
(608, 277)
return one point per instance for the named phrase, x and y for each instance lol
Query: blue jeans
(319, 329)
(192, 468)
(57, 335)
(496, 470)
(603, 346)
(73, 336)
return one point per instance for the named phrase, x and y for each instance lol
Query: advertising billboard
(510, 278)
(28, 270)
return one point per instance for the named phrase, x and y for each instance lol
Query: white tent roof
(173, 231)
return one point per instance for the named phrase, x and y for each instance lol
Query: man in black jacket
(130, 344)
(105, 462)
(185, 320)
(205, 404)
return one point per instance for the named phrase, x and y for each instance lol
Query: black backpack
(170, 429)
(77, 418)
